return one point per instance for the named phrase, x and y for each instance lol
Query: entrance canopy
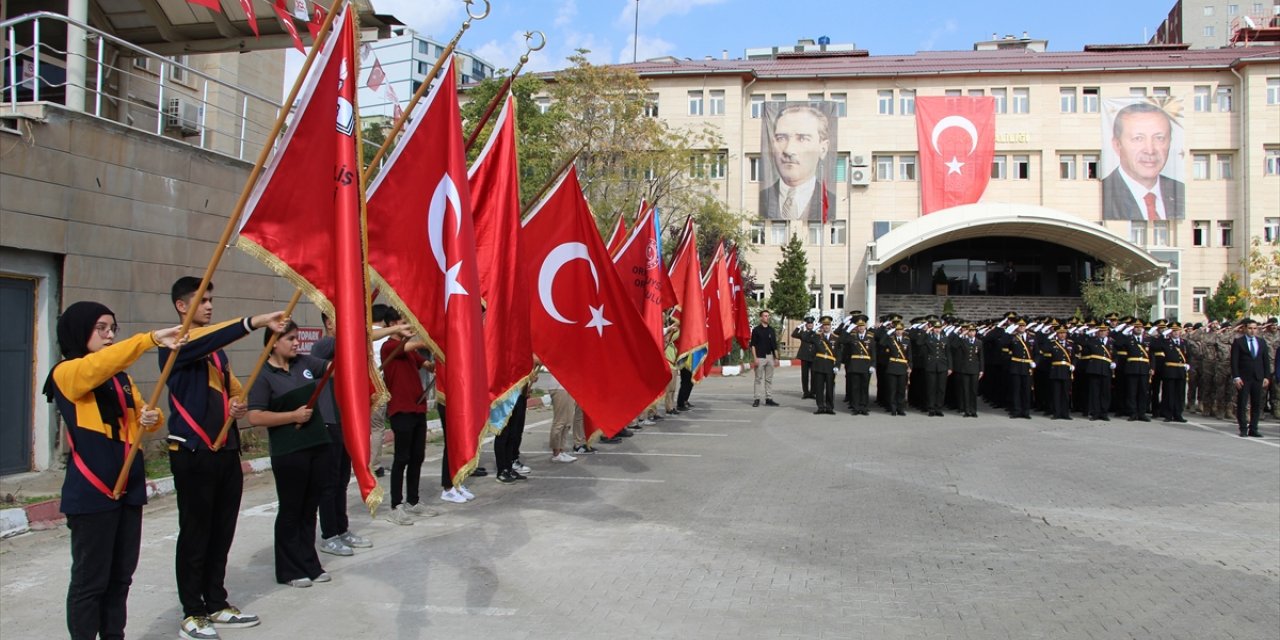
(1013, 221)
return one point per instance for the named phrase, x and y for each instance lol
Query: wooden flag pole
(398, 126)
(232, 223)
(506, 86)
(257, 368)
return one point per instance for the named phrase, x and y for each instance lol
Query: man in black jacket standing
(764, 342)
(966, 359)
(805, 356)
(935, 359)
(1250, 363)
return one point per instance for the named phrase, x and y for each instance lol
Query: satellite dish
(1248, 22)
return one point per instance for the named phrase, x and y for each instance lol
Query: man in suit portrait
(1142, 135)
(1250, 364)
(800, 145)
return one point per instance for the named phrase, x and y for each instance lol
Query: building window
(816, 99)
(1203, 101)
(1257, 8)
(977, 93)
(695, 103)
(543, 104)
(1067, 99)
(999, 169)
(1200, 233)
(1208, 30)
(1090, 99)
(1067, 167)
(1200, 166)
(1022, 167)
(651, 105)
(815, 233)
(1137, 92)
(1138, 232)
(1208, 10)
(757, 105)
(907, 167)
(176, 72)
(777, 97)
(423, 48)
(907, 101)
(1225, 237)
(1272, 164)
(1160, 92)
(953, 93)
(717, 103)
(1160, 233)
(1198, 296)
(1233, 9)
(1224, 99)
(884, 102)
(881, 227)
(697, 165)
(842, 167)
(815, 298)
(757, 293)
(753, 168)
(1089, 163)
(778, 232)
(1270, 230)
(1226, 166)
(718, 167)
(1022, 100)
(836, 297)
(838, 233)
(884, 168)
(1273, 90)
(423, 68)
(1002, 99)
(842, 104)
(756, 233)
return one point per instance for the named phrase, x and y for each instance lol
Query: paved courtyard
(734, 522)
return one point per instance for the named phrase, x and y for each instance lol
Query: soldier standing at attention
(936, 360)
(858, 347)
(1173, 375)
(898, 366)
(1138, 373)
(825, 355)
(1021, 364)
(966, 358)
(1061, 369)
(805, 356)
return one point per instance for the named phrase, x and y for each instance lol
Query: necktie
(1150, 199)
(789, 202)
(1253, 348)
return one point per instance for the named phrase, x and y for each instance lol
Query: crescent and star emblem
(446, 194)
(557, 258)
(958, 122)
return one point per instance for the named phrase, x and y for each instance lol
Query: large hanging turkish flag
(957, 138)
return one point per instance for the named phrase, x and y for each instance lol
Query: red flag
(247, 5)
(584, 326)
(422, 246)
(957, 139)
(639, 267)
(741, 324)
(376, 76)
(686, 278)
(617, 236)
(286, 19)
(317, 20)
(719, 300)
(212, 5)
(495, 189)
(312, 235)
(825, 203)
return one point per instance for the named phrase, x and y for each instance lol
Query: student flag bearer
(422, 246)
(584, 326)
(313, 236)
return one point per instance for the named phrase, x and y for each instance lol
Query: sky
(699, 28)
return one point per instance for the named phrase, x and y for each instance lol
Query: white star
(451, 285)
(953, 166)
(598, 321)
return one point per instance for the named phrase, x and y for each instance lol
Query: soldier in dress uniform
(897, 356)
(1137, 372)
(1062, 366)
(858, 348)
(967, 363)
(1021, 363)
(1174, 366)
(805, 356)
(825, 355)
(1099, 370)
(935, 360)
(1158, 335)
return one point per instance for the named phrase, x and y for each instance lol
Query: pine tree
(790, 289)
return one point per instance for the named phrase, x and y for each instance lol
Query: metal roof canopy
(175, 27)
(1014, 221)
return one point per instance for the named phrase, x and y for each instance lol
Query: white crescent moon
(557, 258)
(959, 122)
(446, 191)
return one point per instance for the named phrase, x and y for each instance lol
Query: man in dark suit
(800, 144)
(1135, 190)
(1250, 363)
(966, 358)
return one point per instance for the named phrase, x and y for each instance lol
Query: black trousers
(410, 431)
(806, 377)
(209, 485)
(1099, 395)
(686, 387)
(968, 393)
(506, 445)
(1173, 397)
(824, 389)
(333, 504)
(1137, 383)
(1250, 394)
(861, 390)
(1060, 392)
(895, 391)
(1020, 395)
(935, 385)
(104, 553)
(301, 478)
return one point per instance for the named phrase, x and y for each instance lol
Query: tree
(537, 147)
(790, 288)
(1109, 293)
(1228, 301)
(1263, 266)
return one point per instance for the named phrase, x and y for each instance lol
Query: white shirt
(800, 198)
(1140, 193)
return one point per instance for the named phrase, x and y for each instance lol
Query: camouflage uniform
(1195, 354)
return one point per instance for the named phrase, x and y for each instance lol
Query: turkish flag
(617, 236)
(741, 324)
(585, 328)
(639, 265)
(312, 235)
(286, 19)
(247, 5)
(317, 21)
(376, 76)
(686, 279)
(957, 139)
(715, 289)
(422, 250)
(495, 191)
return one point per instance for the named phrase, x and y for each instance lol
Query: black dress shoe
(768, 402)
(807, 396)
(625, 433)
(480, 472)
(1105, 419)
(902, 413)
(756, 403)
(1255, 434)
(819, 412)
(613, 440)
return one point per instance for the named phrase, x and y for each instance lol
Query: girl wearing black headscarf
(105, 414)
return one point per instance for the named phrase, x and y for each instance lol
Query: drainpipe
(744, 114)
(1246, 164)
(77, 10)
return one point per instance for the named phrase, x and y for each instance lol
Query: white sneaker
(421, 511)
(519, 467)
(647, 423)
(452, 495)
(466, 493)
(335, 546)
(323, 577)
(354, 541)
(399, 515)
(197, 628)
(301, 583)
(562, 457)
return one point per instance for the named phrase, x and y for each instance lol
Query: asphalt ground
(737, 522)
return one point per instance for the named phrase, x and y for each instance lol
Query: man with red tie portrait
(1138, 188)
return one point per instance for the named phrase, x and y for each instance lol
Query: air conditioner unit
(860, 176)
(860, 160)
(183, 116)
